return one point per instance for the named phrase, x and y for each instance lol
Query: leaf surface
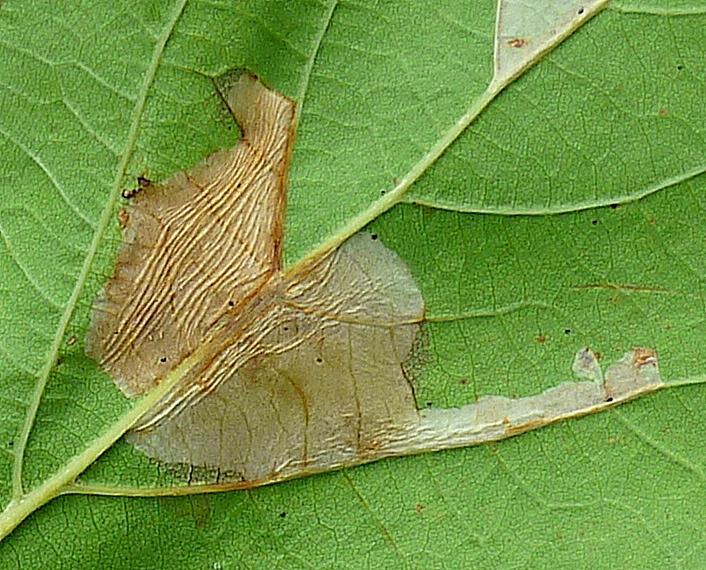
(510, 299)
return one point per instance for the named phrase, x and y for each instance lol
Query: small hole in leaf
(614, 206)
(567, 331)
(374, 236)
(231, 304)
(581, 11)
(609, 399)
(282, 515)
(680, 67)
(163, 359)
(319, 360)
(382, 192)
(594, 222)
(429, 404)
(10, 443)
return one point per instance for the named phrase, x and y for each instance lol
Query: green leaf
(602, 138)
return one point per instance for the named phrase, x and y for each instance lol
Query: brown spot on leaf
(541, 338)
(663, 112)
(644, 356)
(517, 42)
(123, 218)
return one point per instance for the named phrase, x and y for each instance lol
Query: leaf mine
(301, 371)
(195, 247)
(527, 29)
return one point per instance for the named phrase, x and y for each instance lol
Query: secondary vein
(103, 224)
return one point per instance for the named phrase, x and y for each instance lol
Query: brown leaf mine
(297, 372)
(196, 247)
(303, 370)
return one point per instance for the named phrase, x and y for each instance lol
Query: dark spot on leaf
(463, 381)
(541, 338)
(663, 112)
(143, 182)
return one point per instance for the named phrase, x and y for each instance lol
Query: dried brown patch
(193, 243)
(517, 42)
